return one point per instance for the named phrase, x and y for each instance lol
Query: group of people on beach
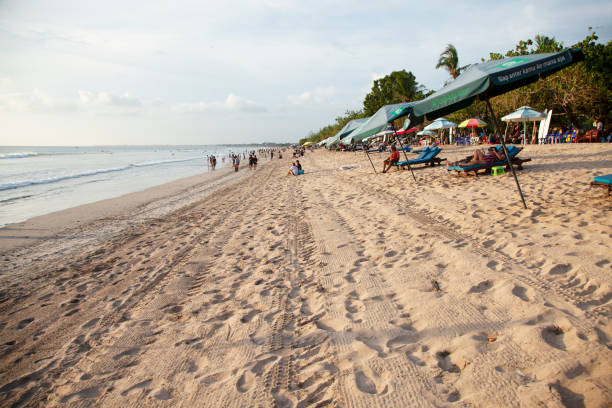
(296, 169)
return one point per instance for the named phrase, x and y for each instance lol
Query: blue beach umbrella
(440, 123)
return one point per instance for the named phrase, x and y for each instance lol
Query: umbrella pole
(518, 186)
(407, 161)
(368, 154)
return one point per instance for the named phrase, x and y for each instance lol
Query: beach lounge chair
(513, 151)
(427, 156)
(603, 181)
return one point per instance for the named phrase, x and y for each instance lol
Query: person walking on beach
(236, 163)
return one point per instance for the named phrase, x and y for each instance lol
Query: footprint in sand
(560, 269)
(520, 292)
(369, 382)
(553, 336)
(445, 363)
(87, 393)
(249, 316)
(139, 386)
(245, 382)
(24, 323)
(400, 341)
(331, 325)
(481, 287)
(162, 395)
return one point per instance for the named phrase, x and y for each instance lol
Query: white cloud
(233, 103)
(87, 98)
(318, 95)
(34, 101)
(40, 101)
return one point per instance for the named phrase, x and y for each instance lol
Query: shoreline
(47, 225)
(24, 234)
(336, 287)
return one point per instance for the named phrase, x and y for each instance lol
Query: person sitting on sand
(480, 157)
(393, 158)
(293, 171)
(299, 166)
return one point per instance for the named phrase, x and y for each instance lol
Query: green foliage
(449, 60)
(578, 94)
(397, 87)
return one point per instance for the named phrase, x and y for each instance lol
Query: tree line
(578, 94)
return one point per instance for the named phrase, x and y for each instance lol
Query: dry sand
(335, 288)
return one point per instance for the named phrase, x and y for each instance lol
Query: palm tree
(449, 60)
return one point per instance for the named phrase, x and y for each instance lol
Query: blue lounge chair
(603, 181)
(513, 151)
(427, 156)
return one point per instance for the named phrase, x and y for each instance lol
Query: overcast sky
(79, 72)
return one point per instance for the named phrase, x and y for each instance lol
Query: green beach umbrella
(378, 121)
(348, 128)
(489, 79)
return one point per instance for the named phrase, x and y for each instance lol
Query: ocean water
(40, 180)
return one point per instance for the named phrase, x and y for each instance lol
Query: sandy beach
(335, 288)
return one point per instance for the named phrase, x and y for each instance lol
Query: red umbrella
(401, 132)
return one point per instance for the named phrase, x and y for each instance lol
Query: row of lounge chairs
(429, 156)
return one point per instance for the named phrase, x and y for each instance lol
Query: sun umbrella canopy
(401, 132)
(440, 123)
(524, 114)
(426, 133)
(490, 79)
(348, 128)
(307, 144)
(472, 123)
(378, 121)
(384, 133)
